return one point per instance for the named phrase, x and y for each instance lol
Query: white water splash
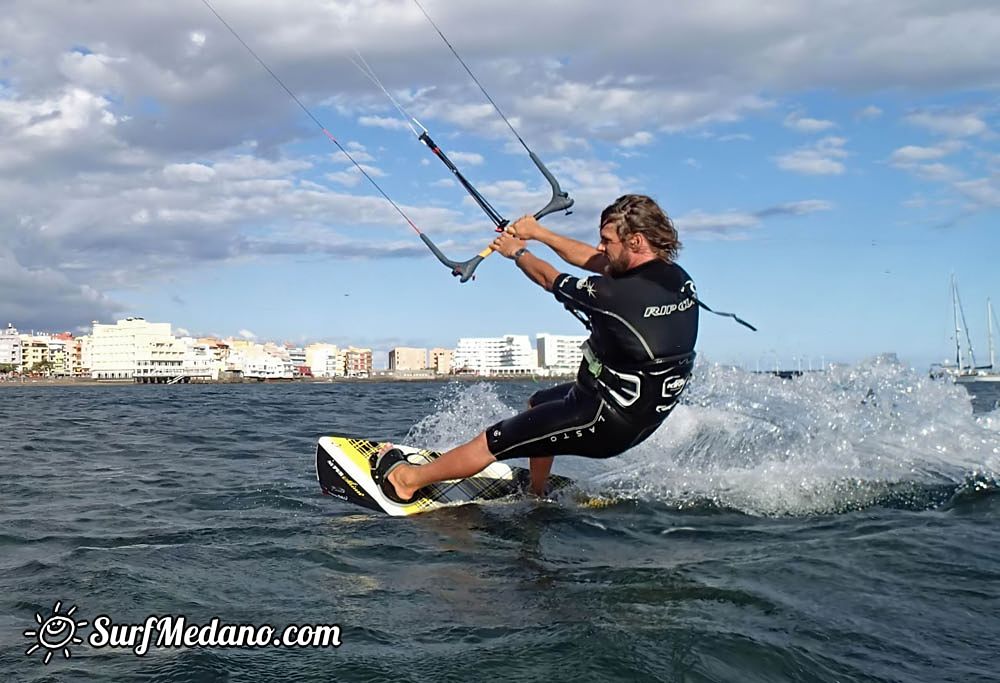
(464, 411)
(824, 442)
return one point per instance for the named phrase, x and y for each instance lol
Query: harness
(623, 383)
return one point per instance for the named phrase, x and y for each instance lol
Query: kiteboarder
(642, 313)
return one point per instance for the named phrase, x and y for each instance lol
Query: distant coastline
(89, 382)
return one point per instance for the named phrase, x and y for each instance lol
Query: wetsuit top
(643, 324)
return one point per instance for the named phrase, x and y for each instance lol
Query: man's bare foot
(397, 476)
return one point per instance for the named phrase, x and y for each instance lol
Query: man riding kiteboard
(642, 312)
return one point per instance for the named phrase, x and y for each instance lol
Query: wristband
(519, 253)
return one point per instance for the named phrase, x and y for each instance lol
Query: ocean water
(842, 526)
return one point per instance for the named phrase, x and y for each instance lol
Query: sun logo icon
(55, 632)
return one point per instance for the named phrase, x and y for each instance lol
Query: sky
(829, 165)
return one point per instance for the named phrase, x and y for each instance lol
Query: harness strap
(595, 366)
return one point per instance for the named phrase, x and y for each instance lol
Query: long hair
(638, 214)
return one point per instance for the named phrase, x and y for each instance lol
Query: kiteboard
(344, 469)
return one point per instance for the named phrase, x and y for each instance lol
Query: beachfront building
(284, 358)
(321, 359)
(218, 349)
(297, 356)
(37, 354)
(10, 349)
(357, 362)
(201, 363)
(74, 356)
(259, 361)
(441, 360)
(86, 355)
(508, 355)
(404, 358)
(134, 349)
(58, 362)
(559, 354)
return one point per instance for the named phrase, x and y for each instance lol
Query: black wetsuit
(644, 324)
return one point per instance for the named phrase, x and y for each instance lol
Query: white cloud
(246, 334)
(351, 176)
(92, 71)
(637, 139)
(357, 152)
(466, 158)
(73, 121)
(868, 113)
(735, 224)
(913, 153)
(914, 159)
(936, 172)
(954, 124)
(822, 158)
(799, 208)
(243, 167)
(701, 221)
(985, 192)
(192, 173)
(804, 124)
(387, 122)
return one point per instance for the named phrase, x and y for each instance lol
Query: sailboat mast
(968, 337)
(955, 304)
(989, 326)
(958, 330)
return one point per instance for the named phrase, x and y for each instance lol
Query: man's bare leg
(540, 468)
(458, 463)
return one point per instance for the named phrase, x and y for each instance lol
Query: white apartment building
(262, 362)
(559, 354)
(407, 358)
(324, 360)
(135, 349)
(508, 355)
(201, 360)
(283, 358)
(10, 347)
(297, 355)
(86, 354)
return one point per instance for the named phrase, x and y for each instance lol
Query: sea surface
(840, 526)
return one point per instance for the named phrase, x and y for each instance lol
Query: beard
(617, 266)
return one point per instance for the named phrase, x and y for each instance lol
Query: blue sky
(829, 165)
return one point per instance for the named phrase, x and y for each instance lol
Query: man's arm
(571, 251)
(539, 271)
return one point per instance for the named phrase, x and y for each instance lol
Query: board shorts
(567, 420)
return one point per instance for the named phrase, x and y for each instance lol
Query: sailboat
(982, 373)
(971, 373)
